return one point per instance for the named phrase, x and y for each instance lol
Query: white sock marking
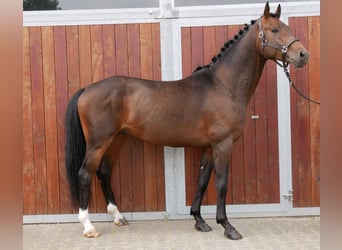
(83, 216)
(113, 209)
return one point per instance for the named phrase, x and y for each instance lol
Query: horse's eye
(275, 30)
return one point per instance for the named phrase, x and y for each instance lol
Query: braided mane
(227, 46)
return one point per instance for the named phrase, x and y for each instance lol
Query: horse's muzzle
(300, 59)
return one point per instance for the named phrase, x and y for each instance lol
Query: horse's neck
(240, 68)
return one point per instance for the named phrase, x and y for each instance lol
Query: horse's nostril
(302, 54)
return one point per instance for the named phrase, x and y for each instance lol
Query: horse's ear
(278, 11)
(267, 10)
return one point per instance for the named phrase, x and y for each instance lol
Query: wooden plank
(301, 127)
(133, 44)
(126, 176)
(314, 79)
(221, 37)
(294, 130)
(150, 174)
(38, 120)
(125, 166)
(85, 55)
(160, 178)
(149, 148)
(156, 71)
(73, 59)
(146, 51)
(261, 156)
(249, 155)
(190, 182)
(138, 175)
(188, 151)
(186, 52)
(304, 167)
(108, 50)
(121, 64)
(156, 62)
(85, 77)
(96, 48)
(238, 161)
(272, 133)
(121, 49)
(209, 43)
(96, 52)
(29, 195)
(50, 119)
(196, 47)
(61, 102)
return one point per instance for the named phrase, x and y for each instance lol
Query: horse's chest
(226, 125)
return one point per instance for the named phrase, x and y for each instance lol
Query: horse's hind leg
(207, 165)
(104, 175)
(90, 165)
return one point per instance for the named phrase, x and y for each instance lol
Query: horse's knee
(84, 177)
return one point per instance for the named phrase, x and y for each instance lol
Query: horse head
(277, 42)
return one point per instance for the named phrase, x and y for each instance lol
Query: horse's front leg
(221, 153)
(207, 165)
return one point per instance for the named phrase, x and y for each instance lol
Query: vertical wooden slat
(156, 55)
(294, 132)
(38, 120)
(133, 50)
(302, 193)
(250, 174)
(314, 74)
(238, 156)
(272, 133)
(29, 195)
(149, 149)
(188, 151)
(160, 178)
(186, 52)
(85, 55)
(138, 183)
(121, 49)
(72, 39)
(156, 71)
(50, 120)
(125, 164)
(97, 201)
(96, 52)
(61, 104)
(196, 47)
(108, 51)
(209, 44)
(261, 140)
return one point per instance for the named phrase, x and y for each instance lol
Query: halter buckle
(284, 49)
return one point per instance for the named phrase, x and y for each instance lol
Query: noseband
(283, 50)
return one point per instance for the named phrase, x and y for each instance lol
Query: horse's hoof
(121, 222)
(233, 234)
(203, 227)
(91, 234)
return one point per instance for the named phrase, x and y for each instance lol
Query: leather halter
(283, 48)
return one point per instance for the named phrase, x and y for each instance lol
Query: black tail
(75, 146)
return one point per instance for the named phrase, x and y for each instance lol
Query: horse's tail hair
(75, 146)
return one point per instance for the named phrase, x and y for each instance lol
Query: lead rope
(283, 50)
(287, 73)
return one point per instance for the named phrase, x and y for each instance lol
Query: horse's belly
(170, 135)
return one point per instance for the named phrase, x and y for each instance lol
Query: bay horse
(206, 109)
